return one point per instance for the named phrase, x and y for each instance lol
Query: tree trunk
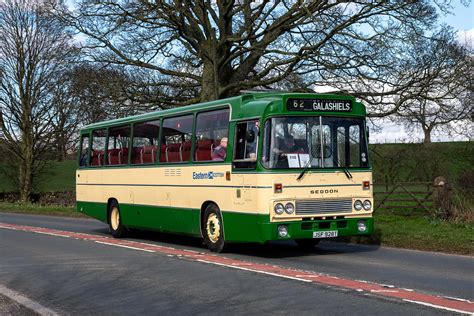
(209, 91)
(61, 154)
(26, 175)
(27, 150)
(427, 139)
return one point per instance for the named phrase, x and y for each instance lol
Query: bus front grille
(306, 207)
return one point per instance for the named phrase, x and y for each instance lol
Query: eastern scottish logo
(207, 175)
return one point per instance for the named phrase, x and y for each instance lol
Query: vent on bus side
(172, 172)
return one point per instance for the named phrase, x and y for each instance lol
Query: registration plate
(326, 234)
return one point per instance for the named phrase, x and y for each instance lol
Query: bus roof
(250, 105)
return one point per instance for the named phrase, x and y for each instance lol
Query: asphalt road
(73, 276)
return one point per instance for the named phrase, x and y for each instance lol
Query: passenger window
(212, 129)
(118, 145)
(98, 147)
(84, 151)
(176, 139)
(145, 142)
(246, 140)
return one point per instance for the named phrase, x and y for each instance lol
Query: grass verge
(28, 208)
(418, 231)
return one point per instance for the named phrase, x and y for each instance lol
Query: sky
(462, 20)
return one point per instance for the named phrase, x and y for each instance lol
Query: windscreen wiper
(308, 164)
(346, 171)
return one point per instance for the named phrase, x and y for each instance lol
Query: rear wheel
(115, 220)
(308, 243)
(213, 229)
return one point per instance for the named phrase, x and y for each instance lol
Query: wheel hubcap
(213, 228)
(115, 218)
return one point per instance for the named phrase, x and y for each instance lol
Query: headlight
(358, 205)
(279, 209)
(289, 208)
(367, 205)
(361, 226)
(282, 230)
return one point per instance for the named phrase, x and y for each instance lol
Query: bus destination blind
(320, 105)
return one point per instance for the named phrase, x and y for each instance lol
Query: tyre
(308, 243)
(115, 221)
(213, 229)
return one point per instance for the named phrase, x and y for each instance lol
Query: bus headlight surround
(279, 209)
(361, 226)
(282, 231)
(289, 208)
(367, 205)
(358, 205)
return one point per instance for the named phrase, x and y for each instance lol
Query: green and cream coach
(252, 168)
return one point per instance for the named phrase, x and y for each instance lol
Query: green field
(57, 176)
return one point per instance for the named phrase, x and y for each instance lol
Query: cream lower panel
(184, 197)
(190, 186)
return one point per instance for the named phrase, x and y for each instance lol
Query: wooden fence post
(442, 198)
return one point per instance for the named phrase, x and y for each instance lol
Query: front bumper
(304, 229)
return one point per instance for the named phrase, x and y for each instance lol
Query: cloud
(466, 37)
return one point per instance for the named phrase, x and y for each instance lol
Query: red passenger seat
(203, 150)
(186, 151)
(163, 153)
(173, 153)
(97, 157)
(137, 155)
(118, 156)
(123, 156)
(113, 155)
(147, 154)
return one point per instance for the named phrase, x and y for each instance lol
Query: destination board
(318, 105)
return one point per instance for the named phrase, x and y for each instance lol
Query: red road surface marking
(461, 306)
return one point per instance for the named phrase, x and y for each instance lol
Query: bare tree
(444, 102)
(102, 93)
(213, 49)
(33, 50)
(67, 118)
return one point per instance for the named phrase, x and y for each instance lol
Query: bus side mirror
(367, 133)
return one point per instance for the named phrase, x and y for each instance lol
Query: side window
(176, 139)
(98, 147)
(212, 129)
(84, 151)
(118, 144)
(245, 145)
(145, 142)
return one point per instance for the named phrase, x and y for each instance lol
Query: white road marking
(257, 271)
(25, 301)
(457, 299)
(52, 234)
(123, 246)
(439, 307)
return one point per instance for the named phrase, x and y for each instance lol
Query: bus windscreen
(315, 142)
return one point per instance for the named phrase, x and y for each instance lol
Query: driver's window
(246, 140)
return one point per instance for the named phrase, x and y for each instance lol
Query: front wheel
(213, 229)
(115, 221)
